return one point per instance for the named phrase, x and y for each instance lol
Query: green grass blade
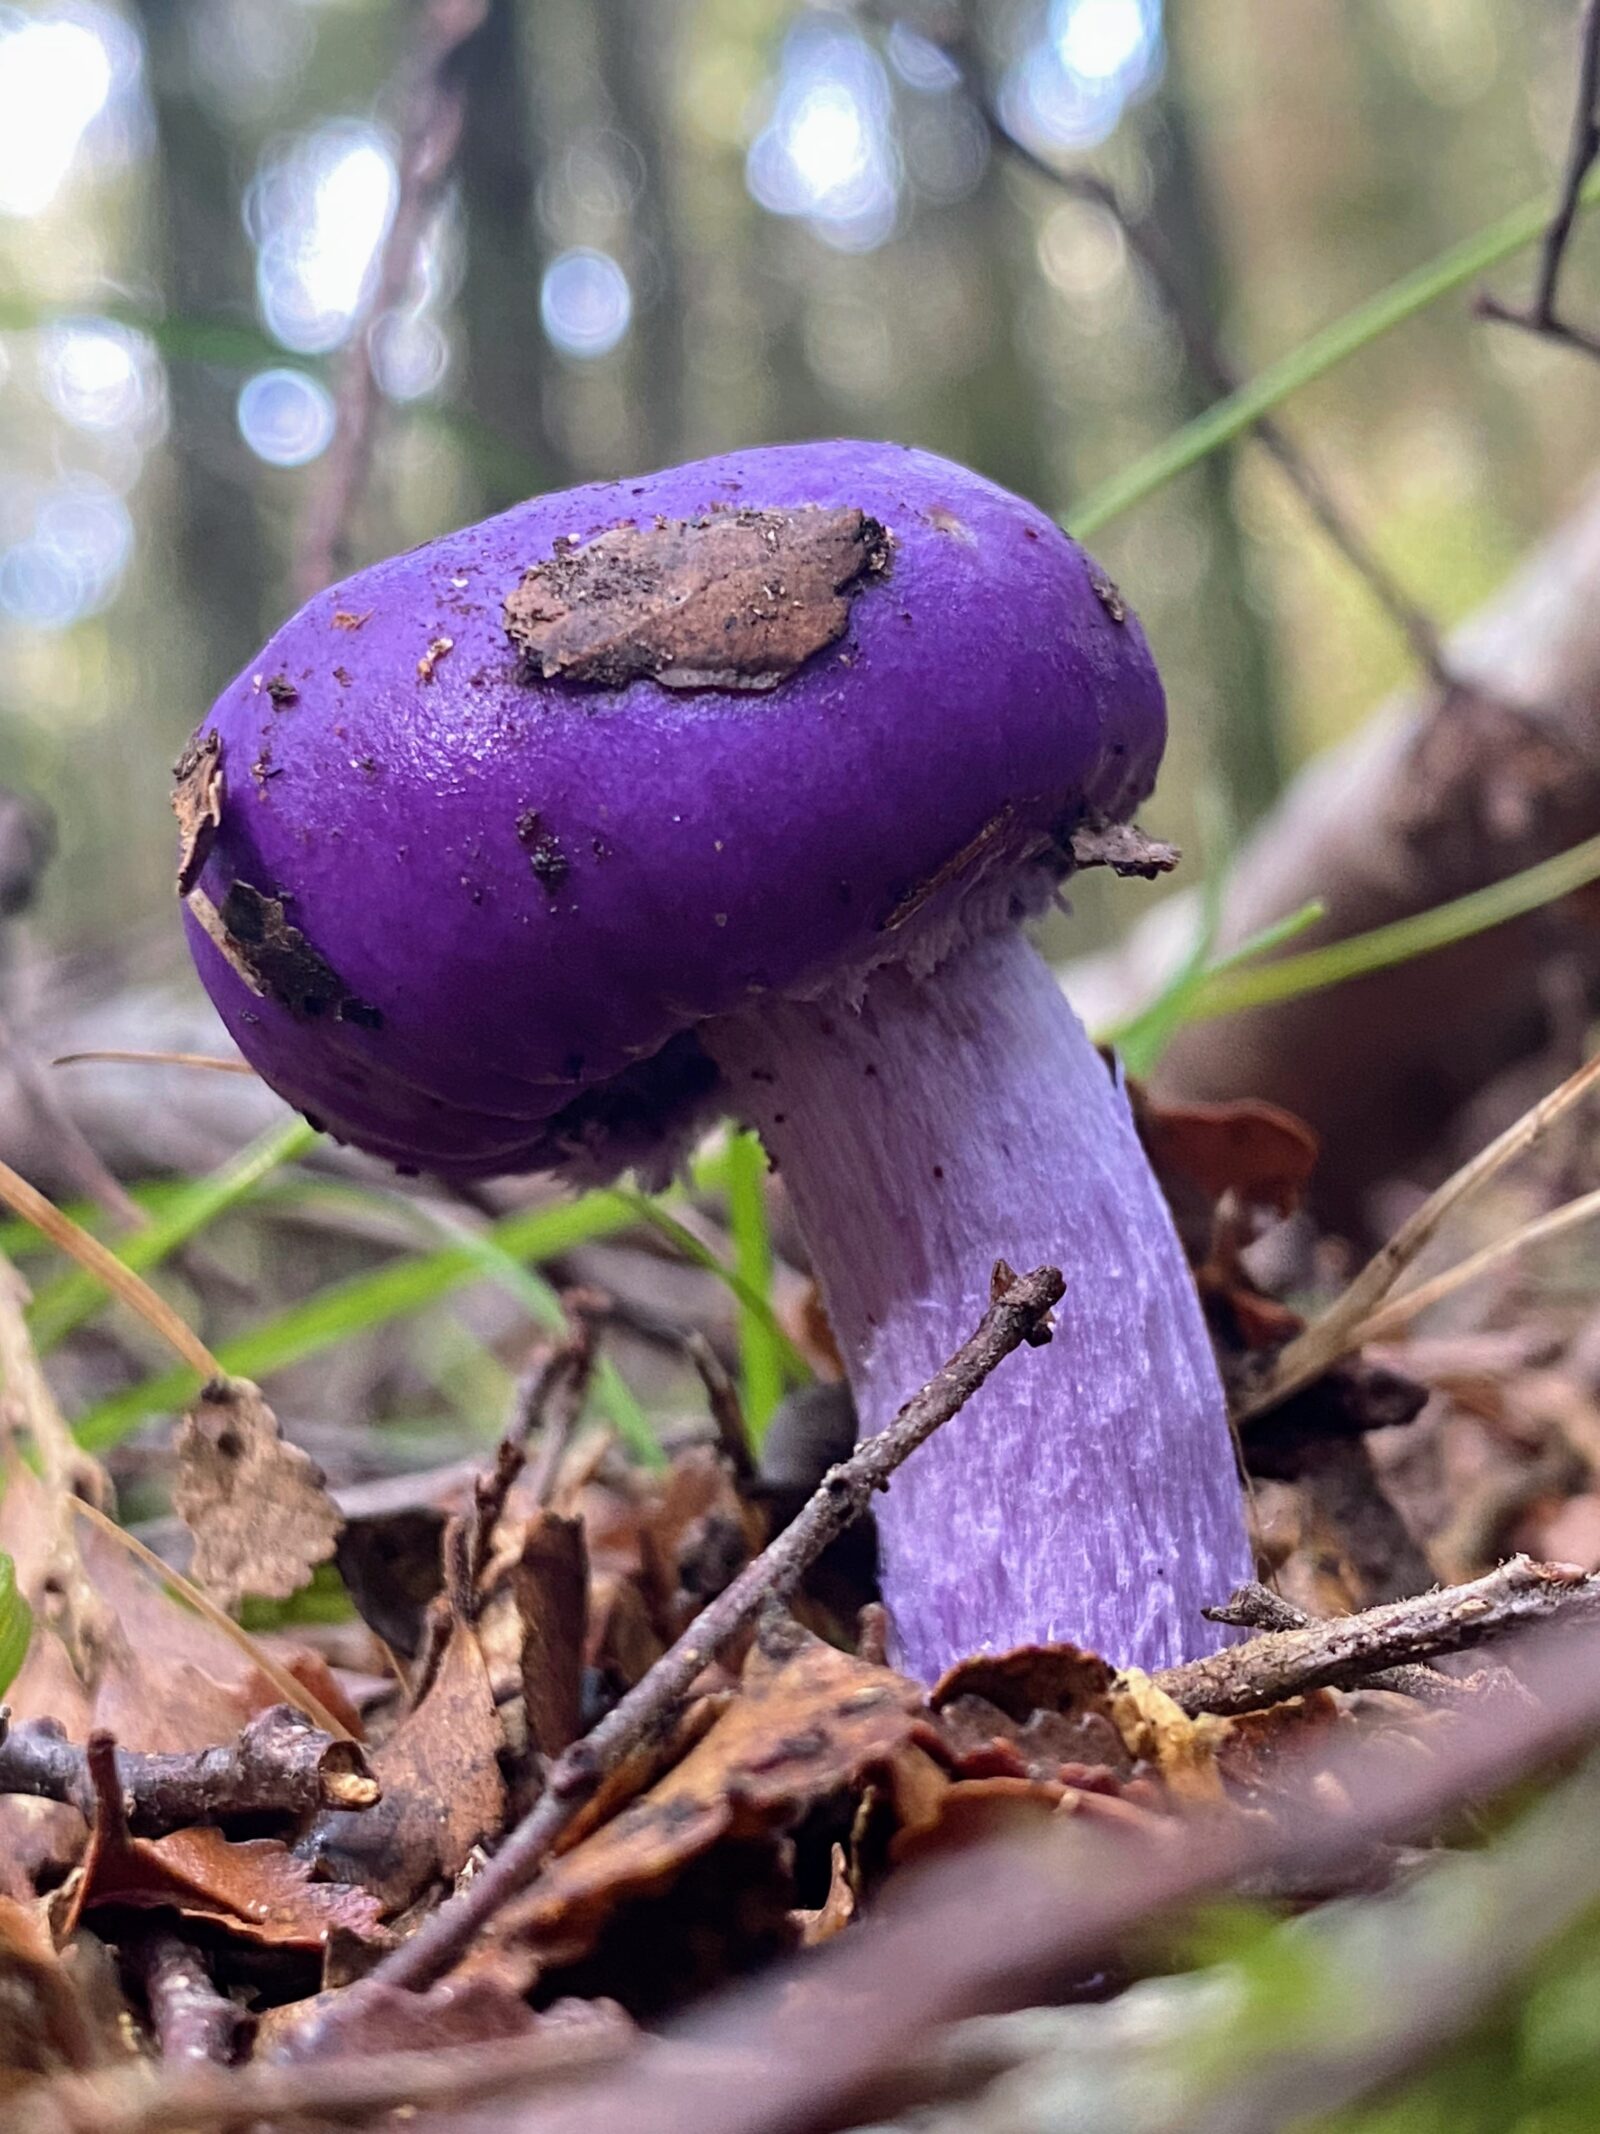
(66, 1303)
(613, 1396)
(765, 1353)
(1227, 989)
(16, 1625)
(753, 1304)
(1227, 419)
(1145, 1036)
(359, 1304)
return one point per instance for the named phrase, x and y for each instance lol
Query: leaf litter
(175, 1837)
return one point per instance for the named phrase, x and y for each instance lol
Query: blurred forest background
(674, 226)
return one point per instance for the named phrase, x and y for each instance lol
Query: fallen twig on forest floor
(1341, 1651)
(280, 1765)
(1020, 1312)
(194, 2024)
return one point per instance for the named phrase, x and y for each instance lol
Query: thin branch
(1583, 150)
(1347, 1649)
(1253, 1606)
(194, 2024)
(280, 1765)
(434, 104)
(1342, 1326)
(1018, 1314)
(1207, 361)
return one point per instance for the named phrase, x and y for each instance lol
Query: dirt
(735, 600)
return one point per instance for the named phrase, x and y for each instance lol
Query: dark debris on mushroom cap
(770, 717)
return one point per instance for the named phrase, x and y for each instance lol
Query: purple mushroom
(730, 789)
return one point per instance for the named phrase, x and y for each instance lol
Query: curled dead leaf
(256, 1505)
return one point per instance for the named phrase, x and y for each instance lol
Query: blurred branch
(1583, 151)
(434, 102)
(1206, 359)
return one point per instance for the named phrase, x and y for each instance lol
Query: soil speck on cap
(1107, 594)
(737, 600)
(348, 619)
(197, 803)
(550, 864)
(431, 658)
(282, 692)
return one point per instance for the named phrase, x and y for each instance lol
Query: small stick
(1021, 1310)
(1348, 1649)
(722, 1398)
(280, 1765)
(1583, 149)
(195, 2025)
(1253, 1606)
(1332, 1336)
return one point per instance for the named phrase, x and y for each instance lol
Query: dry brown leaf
(836, 1910)
(256, 1505)
(255, 1890)
(1259, 1152)
(808, 1722)
(1030, 1713)
(442, 1789)
(550, 1584)
(46, 2027)
(1160, 1732)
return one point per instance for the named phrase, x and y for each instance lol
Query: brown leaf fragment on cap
(257, 1508)
(275, 959)
(197, 803)
(734, 600)
(1123, 847)
(1108, 594)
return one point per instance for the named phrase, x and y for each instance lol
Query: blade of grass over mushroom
(764, 1358)
(16, 1625)
(66, 1303)
(1455, 268)
(360, 1304)
(752, 1303)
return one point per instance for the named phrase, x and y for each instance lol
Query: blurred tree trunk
(641, 59)
(206, 272)
(507, 367)
(1249, 748)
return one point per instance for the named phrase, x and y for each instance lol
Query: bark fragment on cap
(276, 961)
(735, 600)
(197, 803)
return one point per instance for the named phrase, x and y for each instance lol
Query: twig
(1390, 1318)
(1338, 1331)
(1253, 1606)
(435, 103)
(1021, 1311)
(1583, 149)
(1206, 359)
(127, 2101)
(280, 1765)
(722, 1398)
(194, 2024)
(1352, 1648)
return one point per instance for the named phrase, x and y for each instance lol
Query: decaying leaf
(550, 1585)
(1259, 1152)
(256, 1505)
(256, 1890)
(442, 1789)
(734, 600)
(1160, 1732)
(46, 2028)
(808, 1722)
(197, 803)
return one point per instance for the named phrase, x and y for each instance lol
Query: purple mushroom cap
(522, 890)
(728, 789)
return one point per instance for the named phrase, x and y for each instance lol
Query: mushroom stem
(1091, 1497)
